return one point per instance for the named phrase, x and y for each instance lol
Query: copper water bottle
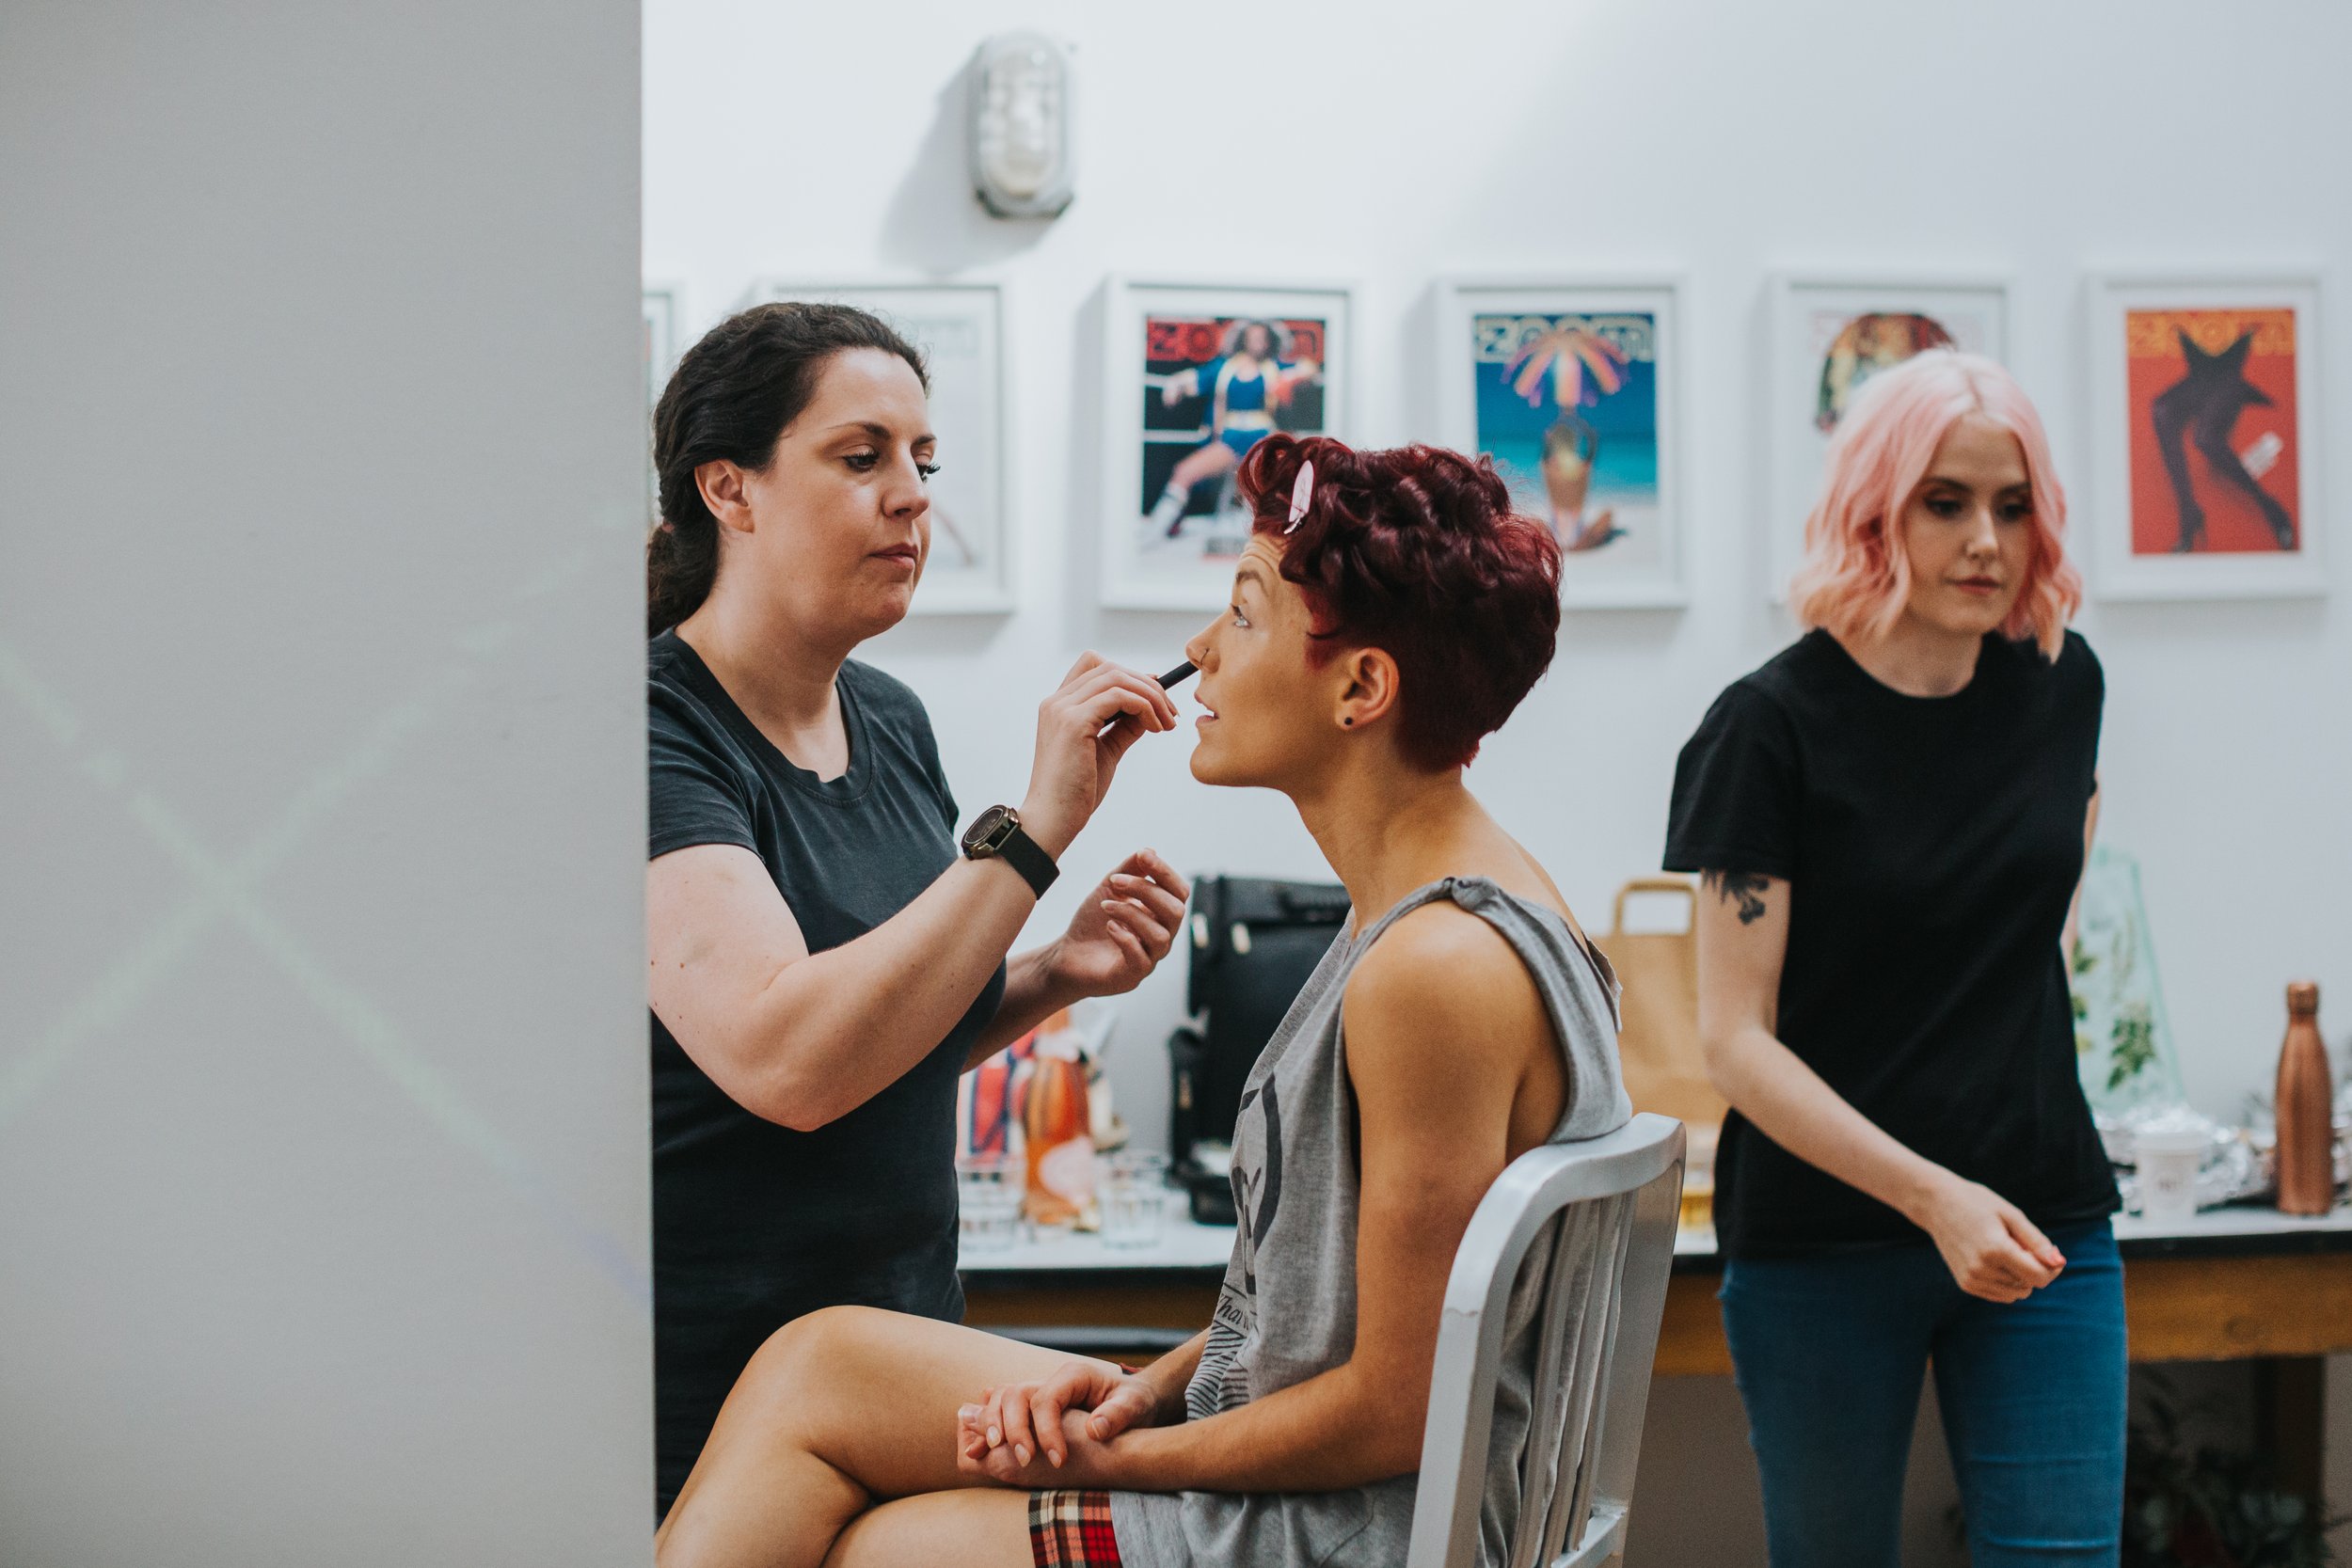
(2306, 1176)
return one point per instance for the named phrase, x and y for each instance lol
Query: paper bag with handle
(1664, 1071)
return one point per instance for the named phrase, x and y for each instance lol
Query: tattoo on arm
(1745, 886)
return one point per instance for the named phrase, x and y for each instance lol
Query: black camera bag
(1253, 944)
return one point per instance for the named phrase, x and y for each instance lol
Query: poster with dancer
(1830, 337)
(1198, 376)
(2205, 413)
(1570, 387)
(958, 329)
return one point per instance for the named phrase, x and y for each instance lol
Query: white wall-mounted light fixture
(1021, 136)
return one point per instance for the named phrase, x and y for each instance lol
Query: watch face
(989, 831)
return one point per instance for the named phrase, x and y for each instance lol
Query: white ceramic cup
(2169, 1159)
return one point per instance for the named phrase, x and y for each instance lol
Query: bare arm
(1993, 1250)
(1435, 1134)
(802, 1039)
(1032, 995)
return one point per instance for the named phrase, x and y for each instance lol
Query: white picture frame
(1185, 560)
(960, 329)
(1814, 315)
(664, 306)
(2143, 452)
(1608, 473)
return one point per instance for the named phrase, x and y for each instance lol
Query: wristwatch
(997, 831)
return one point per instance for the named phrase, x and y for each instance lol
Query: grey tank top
(1287, 1310)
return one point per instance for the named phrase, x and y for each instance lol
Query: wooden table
(2229, 1284)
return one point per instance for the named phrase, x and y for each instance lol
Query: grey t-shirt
(1287, 1310)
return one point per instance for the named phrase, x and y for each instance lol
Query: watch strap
(1027, 856)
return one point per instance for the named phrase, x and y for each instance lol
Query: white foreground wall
(323, 1170)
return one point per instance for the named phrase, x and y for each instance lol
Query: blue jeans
(1829, 1353)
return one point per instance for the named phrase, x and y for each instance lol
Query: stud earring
(1348, 720)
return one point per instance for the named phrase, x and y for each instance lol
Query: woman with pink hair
(1892, 816)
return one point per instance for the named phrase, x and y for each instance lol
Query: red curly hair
(1415, 551)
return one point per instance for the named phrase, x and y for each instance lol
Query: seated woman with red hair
(1389, 612)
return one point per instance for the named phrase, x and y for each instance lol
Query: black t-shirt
(1931, 845)
(755, 1224)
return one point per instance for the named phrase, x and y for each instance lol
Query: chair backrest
(1596, 1222)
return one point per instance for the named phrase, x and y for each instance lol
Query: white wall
(323, 1151)
(1392, 144)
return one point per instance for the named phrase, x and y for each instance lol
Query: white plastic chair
(1602, 1212)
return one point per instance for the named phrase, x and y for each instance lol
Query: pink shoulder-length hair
(1857, 576)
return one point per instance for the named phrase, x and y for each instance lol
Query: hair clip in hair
(1302, 496)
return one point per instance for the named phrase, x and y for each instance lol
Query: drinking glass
(1135, 1197)
(987, 1201)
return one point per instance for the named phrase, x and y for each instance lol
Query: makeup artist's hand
(1122, 930)
(1083, 729)
(1052, 1433)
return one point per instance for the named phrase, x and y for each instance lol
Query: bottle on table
(1058, 1124)
(2306, 1155)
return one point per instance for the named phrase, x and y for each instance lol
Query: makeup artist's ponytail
(730, 398)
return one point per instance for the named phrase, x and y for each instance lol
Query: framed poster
(1195, 376)
(663, 313)
(1831, 333)
(958, 328)
(2205, 410)
(1574, 388)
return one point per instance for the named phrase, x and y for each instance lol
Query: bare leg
(2170, 415)
(979, 1528)
(1203, 462)
(2231, 469)
(839, 1410)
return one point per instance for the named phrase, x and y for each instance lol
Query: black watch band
(997, 833)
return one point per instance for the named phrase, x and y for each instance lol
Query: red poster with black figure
(2214, 463)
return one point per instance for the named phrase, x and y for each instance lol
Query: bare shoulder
(1441, 974)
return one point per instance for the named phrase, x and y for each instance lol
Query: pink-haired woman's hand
(1992, 1248)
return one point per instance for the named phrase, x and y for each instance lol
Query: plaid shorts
(1071, 1529)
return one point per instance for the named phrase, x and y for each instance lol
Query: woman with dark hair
(1891, 816)
(1388, 611)
(822, 964)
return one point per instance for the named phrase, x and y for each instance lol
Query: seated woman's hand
(1014, 1427)
(1083, 1462)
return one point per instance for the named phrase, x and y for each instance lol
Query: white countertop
(2212, 1224)
(1183, 1244)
